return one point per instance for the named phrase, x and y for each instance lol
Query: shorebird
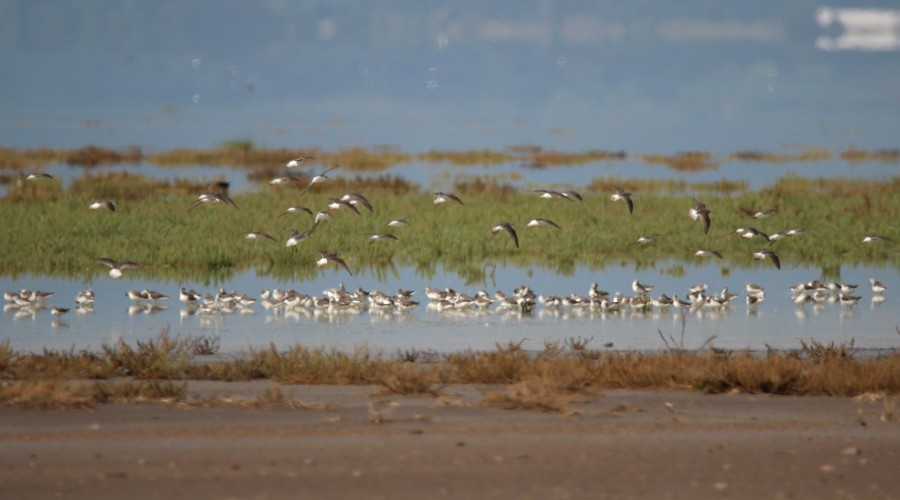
(34, 177)
(298, 160)
(572, 196)
(873, 238)
(327, 257)
(640, 288)
(297, 237)
(85, 297)
(116, 266)
(543, 222)
(337, 203)
(59, 311)
(750, 232)
(258, 235)
(212, 198)
(295, 210)
(443, 197)
(621, 195)
(795, 231)
(548, 194)
(506, 226)
(357, 199)
(283, 180)
(189, 296)
(321, 215)
(153, 295)
(382, 236)
(759, 214)
(397, 223)
(767, 254)
(704, 252)
(107, 204)
(699, 211)
(877, 287)
(645, 240)
(318, 179)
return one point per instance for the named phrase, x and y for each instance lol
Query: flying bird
(621, 195)
(258, 235)
(382, 236)
(212, 198)
(699, 211)
(356, 198)
(765, 253)
(295, 210)
(506, 226)
(318, 179)
(298, 160)
(543, 222)
(116, 266)
(705, 252)
(107, 204)
(440, 197)
(332, 257)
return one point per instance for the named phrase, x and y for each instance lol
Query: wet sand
(348, 442)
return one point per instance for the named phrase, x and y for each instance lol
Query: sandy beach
(351, 442)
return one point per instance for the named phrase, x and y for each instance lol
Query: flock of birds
(521, 300)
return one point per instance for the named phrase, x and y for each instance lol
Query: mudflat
(353, 442)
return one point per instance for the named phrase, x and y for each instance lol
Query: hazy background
(649, 76)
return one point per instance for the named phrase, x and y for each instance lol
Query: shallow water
(755, 175)
(777, 322)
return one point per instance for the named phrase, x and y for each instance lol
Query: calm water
(777, 322)
(756, 175)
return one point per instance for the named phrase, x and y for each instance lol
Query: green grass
(153, 226)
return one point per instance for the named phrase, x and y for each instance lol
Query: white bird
(116, 266)
(107, 204)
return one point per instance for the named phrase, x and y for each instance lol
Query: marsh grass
(549, 380)
(856, 156)
(153, 226)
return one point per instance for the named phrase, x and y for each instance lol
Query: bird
(212, 198)
(440, 197)
(153, 295)
(294, 210)
(543, 222)
(396, 223)
(337, 203)
(699, 211)
(506, 226)
(765, 253)
(327, 257)
(877, 286)
(116, 266)
(759, 214)
(318, 179)
(34, 177)
(382, 236)
(107, 204)
(356, 198)
(258, 235)
(85, 297)
(549, 194)
(640, 288)
(321, 215)
(750, 232)
(298, 160)
(572, 196)
(705, 252)
(645, 240)
(873, 238)
(59, 311)
(621, 195)
(283, 180)
(297, 237)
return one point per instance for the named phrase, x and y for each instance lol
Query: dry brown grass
(688, 161)
(549, 380)
(857, 156)
(808, 154)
